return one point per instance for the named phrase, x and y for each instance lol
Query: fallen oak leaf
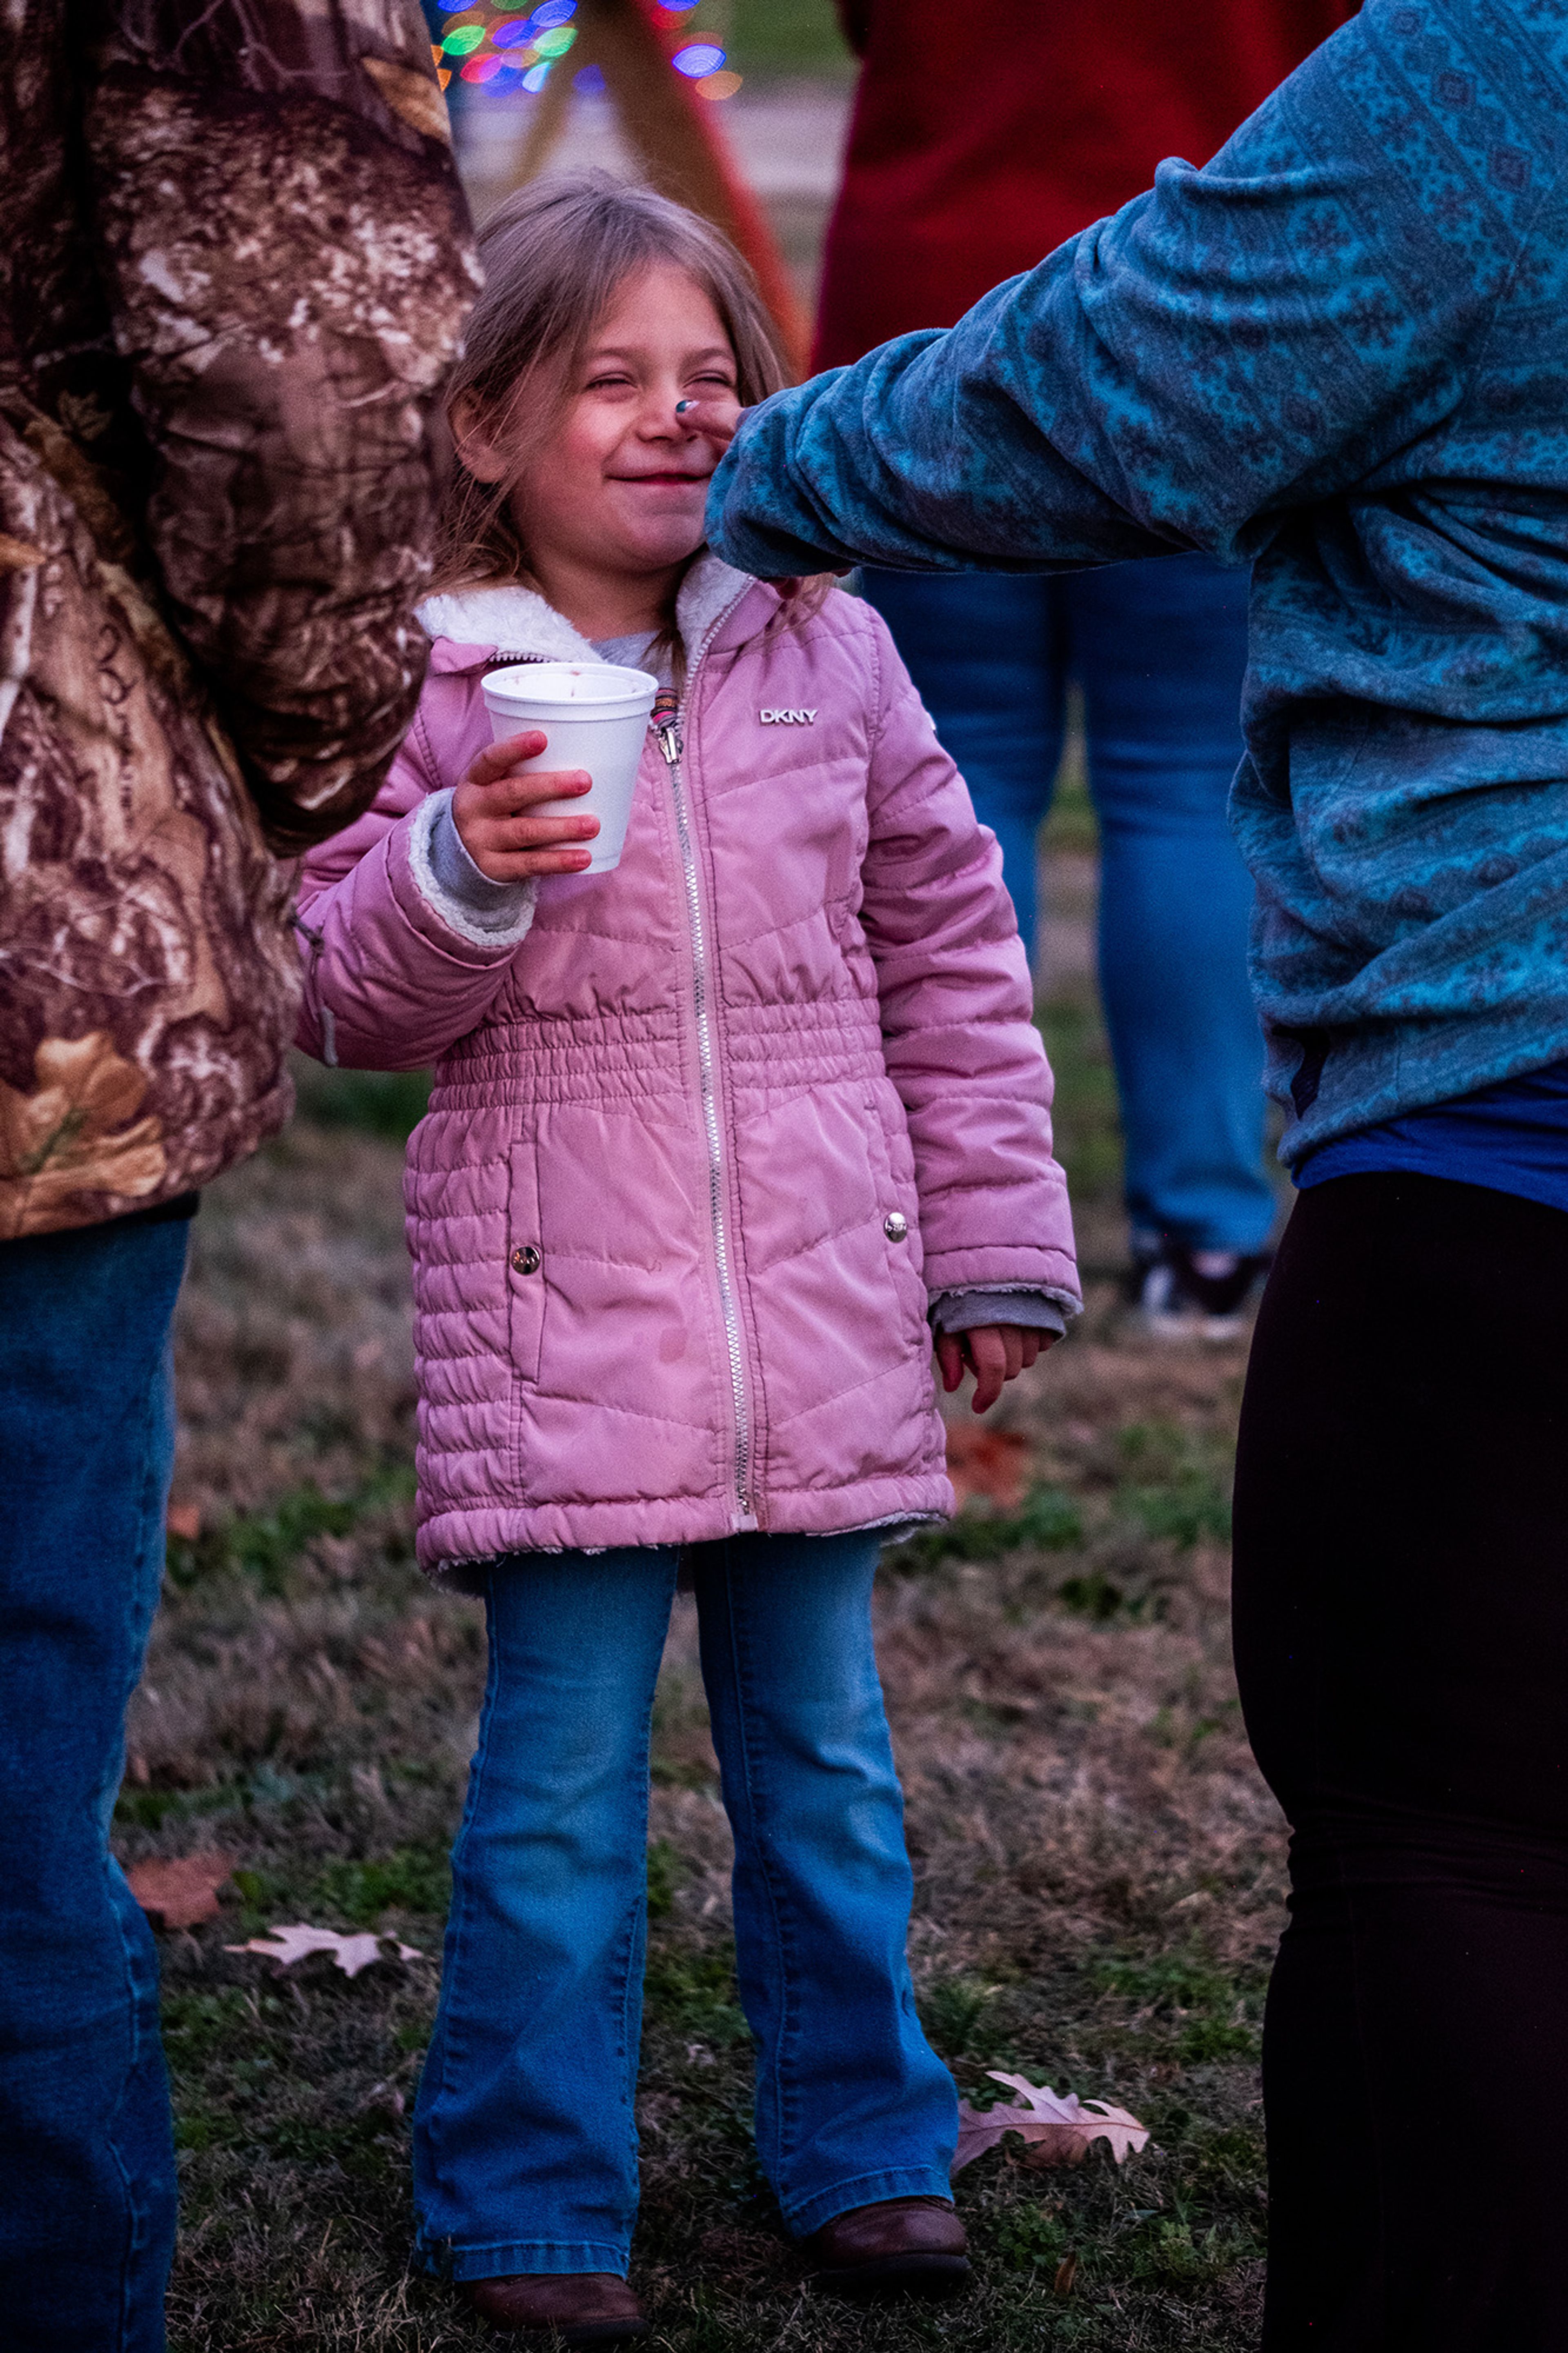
(1123, 2131)
(384, 2100)
(181, 1893)
(349, 1954)
(987, 1464)
(1059, 2130)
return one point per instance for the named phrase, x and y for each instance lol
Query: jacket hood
(517, 622)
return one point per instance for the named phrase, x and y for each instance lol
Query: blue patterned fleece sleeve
(1253, 337)
(1333, 354)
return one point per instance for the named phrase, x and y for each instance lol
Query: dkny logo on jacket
(786, 718)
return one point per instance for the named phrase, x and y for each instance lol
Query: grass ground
(1098, 1866)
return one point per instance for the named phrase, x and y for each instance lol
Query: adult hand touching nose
(489, 809)
(715, 419)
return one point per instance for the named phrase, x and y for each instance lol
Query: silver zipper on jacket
(668, 730)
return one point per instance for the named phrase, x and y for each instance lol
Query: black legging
(1401, 1644)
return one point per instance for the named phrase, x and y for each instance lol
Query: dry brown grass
(1098, 1868)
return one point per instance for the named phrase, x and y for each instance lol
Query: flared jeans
(525, 2144)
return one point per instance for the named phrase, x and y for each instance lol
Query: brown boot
(901, 2247)
(570, 2307)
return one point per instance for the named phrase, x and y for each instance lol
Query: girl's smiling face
(619, 487)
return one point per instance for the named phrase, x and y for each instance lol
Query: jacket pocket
(894, 1158)
(892, 1164)
(526, 1273)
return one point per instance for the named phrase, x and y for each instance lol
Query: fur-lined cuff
(487, 915)
(1027, 1307)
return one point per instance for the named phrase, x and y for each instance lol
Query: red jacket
(985, 135)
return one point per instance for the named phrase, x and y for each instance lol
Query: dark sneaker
(1182, 1294)
(901, 2246)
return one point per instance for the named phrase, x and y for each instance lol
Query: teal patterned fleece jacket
(1338, 353)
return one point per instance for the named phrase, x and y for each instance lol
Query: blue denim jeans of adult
(87, 1434)
(524, 2144)
(1159, 650)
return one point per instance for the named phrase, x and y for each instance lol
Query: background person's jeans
(1159, 650)
(525, 2146)
(87, 1434)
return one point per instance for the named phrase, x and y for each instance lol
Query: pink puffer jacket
(707, 1130)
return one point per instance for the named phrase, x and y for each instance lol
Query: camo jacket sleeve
(287, 257)
(235, 264)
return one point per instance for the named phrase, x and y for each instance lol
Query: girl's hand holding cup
(490, 809)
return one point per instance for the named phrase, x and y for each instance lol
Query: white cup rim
(539, 682)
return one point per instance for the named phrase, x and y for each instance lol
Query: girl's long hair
(556, 254)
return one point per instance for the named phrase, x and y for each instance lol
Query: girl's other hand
(994, 1353)
(489, 809)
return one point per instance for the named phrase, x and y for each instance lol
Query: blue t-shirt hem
(1510, 1138)
(1365, 1156)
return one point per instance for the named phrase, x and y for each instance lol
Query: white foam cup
(596, 717)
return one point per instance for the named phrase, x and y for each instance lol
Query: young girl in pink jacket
(716, 1138)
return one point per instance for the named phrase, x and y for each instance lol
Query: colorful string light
(697, 57)
(506, 45)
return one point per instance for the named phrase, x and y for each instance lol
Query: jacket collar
(516, 622)
(711, 590)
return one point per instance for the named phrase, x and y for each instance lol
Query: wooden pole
(546, 128)
(675, 139)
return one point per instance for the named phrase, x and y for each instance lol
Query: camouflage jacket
(234, 262)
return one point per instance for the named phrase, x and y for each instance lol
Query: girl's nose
(663, 417)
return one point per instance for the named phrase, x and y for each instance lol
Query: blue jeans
(524, 2145)
(86, 1436)
(1159, 650)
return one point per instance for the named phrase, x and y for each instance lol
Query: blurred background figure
(977, 145)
